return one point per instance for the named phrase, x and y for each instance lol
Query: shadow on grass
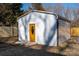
(12, 50)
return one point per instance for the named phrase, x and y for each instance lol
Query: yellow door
(75, 31)
(32, 32)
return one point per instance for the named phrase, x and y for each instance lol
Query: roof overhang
(64, 19)
(57, 16)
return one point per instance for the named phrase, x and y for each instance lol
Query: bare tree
(37, 6)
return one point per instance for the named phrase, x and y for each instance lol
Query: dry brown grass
(10, 40)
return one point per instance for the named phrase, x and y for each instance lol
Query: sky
(65, 5)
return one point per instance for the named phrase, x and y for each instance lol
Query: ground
(68, 48)
(17, 50)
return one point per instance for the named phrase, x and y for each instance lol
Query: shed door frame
(35, 31)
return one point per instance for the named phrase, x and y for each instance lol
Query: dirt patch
(10, 40)
(11, 50)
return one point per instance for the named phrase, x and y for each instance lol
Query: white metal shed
(38, 27)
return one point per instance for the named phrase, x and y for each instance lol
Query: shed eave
(57, 16)
(36, 11)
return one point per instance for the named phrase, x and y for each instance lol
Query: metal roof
(57, 16)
